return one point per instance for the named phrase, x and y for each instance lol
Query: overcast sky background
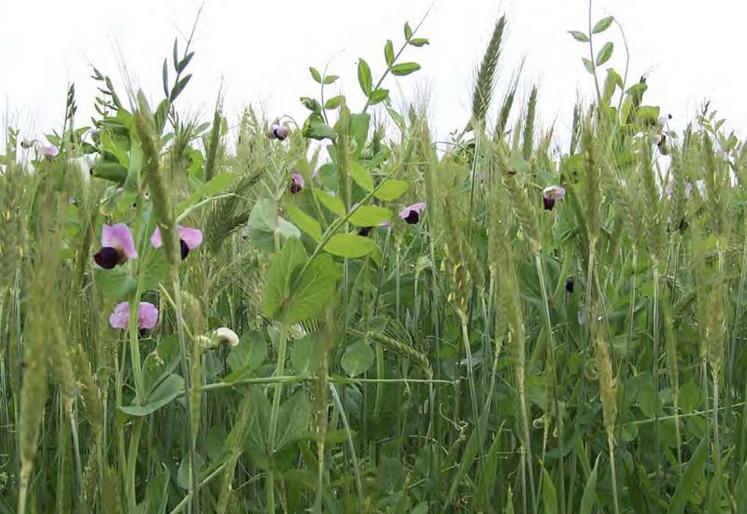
(691, 50)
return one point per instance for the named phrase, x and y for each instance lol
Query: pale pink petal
(120, 317)
(191, 236)
(297, 179)
(417, 207)
(155, 239)
(147, 315)
(119, 236)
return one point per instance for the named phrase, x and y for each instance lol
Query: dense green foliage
(507, 347)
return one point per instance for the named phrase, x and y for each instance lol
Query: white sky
(692, 50)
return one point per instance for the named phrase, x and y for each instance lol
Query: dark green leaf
(692, 475)
(166, 391)
(116, 283)
(589, 498)
(179, 87)
(280, 277)
(311, 104)
(357, 359)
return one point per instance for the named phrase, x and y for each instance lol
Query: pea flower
(116, 246)
(279, 132)
(550, 194)
(411, 213)
(147, 316)
(49, 151)
(226, 336)
(297, 183)
(189, 239)
(569, 284)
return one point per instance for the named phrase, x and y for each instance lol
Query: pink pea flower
(147, 316)
(116, 246)
(49, 151)
(297, 183)
(550, 194)
(279, 132)
(189, 239)
(411, 213)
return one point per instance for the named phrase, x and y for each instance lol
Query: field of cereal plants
(338, 315)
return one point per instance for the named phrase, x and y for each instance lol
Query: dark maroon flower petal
(412, 217)
(107, 257)
(569, 284)
(549, 202)
(184, 248)
(364, 231)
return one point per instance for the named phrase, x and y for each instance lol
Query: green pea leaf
(331, 202)
(605, 53)
(579, 36)
(315, 75)
(378, 96)
(602, 25)
(419, 41)
(334, 102)
(164, 393)
(370, 216)
(351, 246)
(115, 283)
(357, 359)
(305, 222)
(361, 176)
(364, 77)
(391, 190)
(389, 52)
(404, 68)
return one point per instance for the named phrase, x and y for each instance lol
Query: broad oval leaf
(378, 96)
(305, 222)
(404, 68)
(370, 216)
(331, 202)
(357, 359)
(579, 36)
(315, 75)
(351, 246)
(364, 77)
(602, 25)
(334, 102)
(605, 53)
(391, 189)
(361, 176)
(311, 292)
(166, 391)
(389, 52)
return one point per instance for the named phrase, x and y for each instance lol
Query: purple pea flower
(49, 151)
(147, 316)
(411, 213)
(279, 132)
(297, 183)
(550, 195)
(116, 246)
(189, 239)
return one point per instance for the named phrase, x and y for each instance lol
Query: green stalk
(279, 370)
(552, 364)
